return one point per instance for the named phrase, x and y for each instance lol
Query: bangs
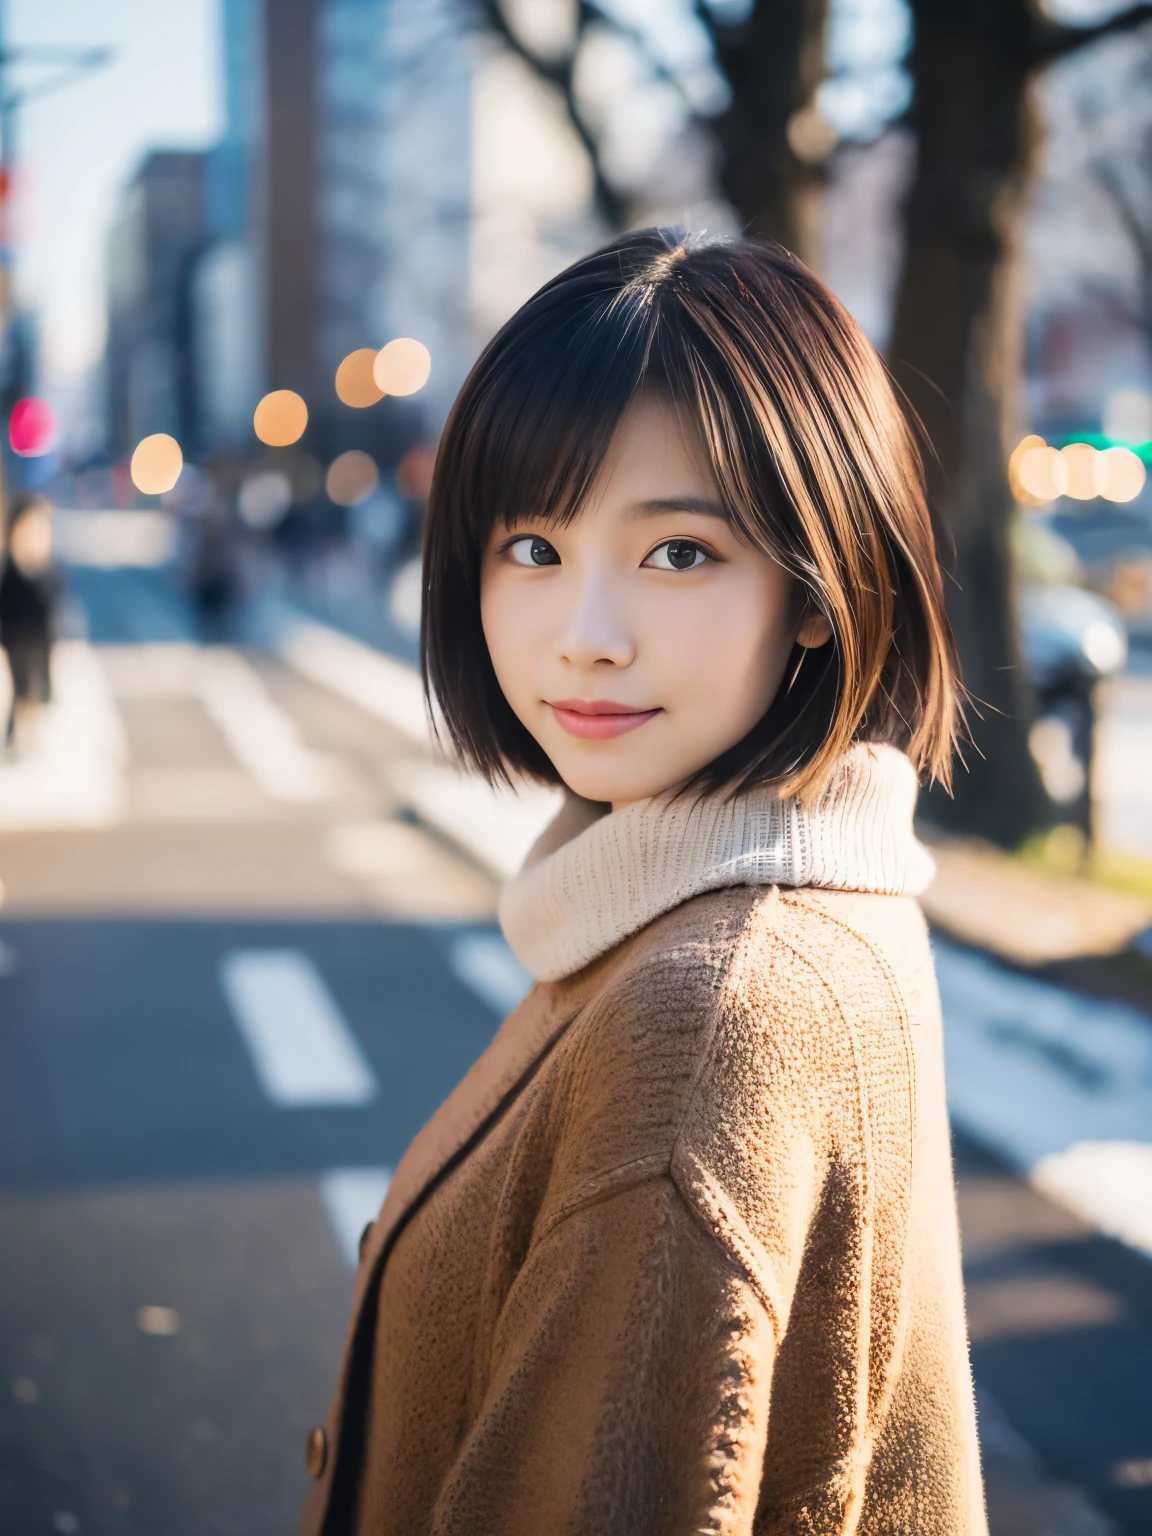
(544, 405)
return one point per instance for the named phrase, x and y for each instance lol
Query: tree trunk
(773, 62)
(954, 351)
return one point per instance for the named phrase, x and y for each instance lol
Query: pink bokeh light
(32, 428)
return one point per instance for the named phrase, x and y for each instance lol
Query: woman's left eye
(677, 555)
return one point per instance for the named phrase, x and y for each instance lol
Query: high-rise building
(339, 204)
(155, 241)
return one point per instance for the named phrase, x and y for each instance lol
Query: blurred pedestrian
(29, 593)
(214, 577)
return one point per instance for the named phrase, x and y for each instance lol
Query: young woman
(680, 1253)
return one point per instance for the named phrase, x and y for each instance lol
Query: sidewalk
(1028, 916)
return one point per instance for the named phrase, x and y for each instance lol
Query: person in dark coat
(29, 589)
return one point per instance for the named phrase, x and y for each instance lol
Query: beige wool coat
(678, 1255)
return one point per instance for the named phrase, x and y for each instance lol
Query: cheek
(513, 620)
(724, 652)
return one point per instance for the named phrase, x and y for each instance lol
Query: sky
(78, 146)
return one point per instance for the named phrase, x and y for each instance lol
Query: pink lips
(597, 719)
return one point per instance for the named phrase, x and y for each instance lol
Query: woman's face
(646, 637)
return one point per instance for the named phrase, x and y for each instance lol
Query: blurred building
(155, 241)
(338, 201)
(386, 169)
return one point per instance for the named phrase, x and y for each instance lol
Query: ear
(814, 631)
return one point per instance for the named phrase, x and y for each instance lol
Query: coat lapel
(518, 1046)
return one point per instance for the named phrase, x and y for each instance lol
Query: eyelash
(529, 538)
(688, 543)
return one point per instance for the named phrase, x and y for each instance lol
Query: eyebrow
(698, 504)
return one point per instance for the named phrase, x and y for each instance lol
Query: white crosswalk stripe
(483, 962)
(302, 1047)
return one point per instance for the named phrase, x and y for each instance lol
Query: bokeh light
(156, 464)
(402, 367)
(351, 478)
(1081, 461)
(1104, 646)
(1120, 474)
(1043, 474)
(280, 418)
(414, 472)
(264, 498)
(811, 137)
(32, 427)
(355, 384)
(1019, 489)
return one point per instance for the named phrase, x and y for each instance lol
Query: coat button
(316, 1452)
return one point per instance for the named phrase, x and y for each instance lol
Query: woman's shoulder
(730, 1047)
(767, 951)
(730, 1004)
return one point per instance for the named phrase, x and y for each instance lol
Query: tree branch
(559, 74)
(1051, 40)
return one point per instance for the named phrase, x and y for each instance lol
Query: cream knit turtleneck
(594, 878)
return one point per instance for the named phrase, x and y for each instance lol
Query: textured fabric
(679, 1255)
(593, 879)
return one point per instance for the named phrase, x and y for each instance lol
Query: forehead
(655, 463)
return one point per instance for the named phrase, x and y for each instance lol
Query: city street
(151, 1159)
(244, 956)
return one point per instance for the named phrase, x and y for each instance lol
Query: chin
(600, 783)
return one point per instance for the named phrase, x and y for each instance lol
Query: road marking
(483, 962)
(378, 683)
(353, 1197)
(263, 737)
(496, 825)
(302, 1047)
(1059, 1084)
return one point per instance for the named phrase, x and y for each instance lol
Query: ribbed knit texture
(573, 902)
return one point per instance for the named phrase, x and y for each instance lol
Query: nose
(597, 632)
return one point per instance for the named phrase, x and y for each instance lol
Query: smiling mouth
(596, 719)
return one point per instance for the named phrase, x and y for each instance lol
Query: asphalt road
(177, 1217)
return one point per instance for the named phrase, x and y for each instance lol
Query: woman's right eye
(531, 550)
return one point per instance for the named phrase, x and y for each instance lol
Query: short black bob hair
(808, 446)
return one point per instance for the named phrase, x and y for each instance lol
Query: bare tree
(772, 61)
(957, 327)
(954, 349)
(1113, 134)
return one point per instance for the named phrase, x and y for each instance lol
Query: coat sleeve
(628, 1387)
